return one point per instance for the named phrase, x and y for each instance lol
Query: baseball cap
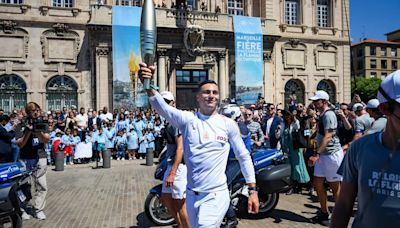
(357, 107)
(167, 95)
(391, 85)
(320, 95)
(373, 104)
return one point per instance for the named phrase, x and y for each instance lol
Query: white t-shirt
(106, 117)
(81, 120)
(206, 142)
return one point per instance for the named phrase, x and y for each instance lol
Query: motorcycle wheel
(13, 221)
(268, 202)
(156, 211)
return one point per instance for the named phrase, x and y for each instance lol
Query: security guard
(207, 137)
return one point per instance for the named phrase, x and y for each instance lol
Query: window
(373, 75)
(292, 12)
(360, 65)
(383, 64)
(372, 50)
(360, 52)
(373, 63)
(191, 76)
(235, 7)
(63, 3)
(130, 3)
(383, 75)
(323, 13)
(61, 91)
(12, 92)
(383, 51)
(11, 1)
(393, 52)
(394, 64)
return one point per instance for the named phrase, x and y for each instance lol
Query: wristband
(252, 190)
(153, 87)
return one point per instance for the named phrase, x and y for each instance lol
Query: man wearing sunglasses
(271, 123)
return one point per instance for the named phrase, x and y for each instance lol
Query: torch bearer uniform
(206, 143)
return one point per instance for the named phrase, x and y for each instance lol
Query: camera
(38, 125)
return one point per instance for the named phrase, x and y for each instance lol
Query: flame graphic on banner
(133, 70)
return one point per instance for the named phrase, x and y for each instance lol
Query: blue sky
(373, 19)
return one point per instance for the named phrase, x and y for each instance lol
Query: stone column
(222, 74)
(162, 69)
(269, 78)
(102, 77)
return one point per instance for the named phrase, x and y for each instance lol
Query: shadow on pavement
(280, 215)
(142, 221)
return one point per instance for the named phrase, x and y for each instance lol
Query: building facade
(376, 58)
(59, 52)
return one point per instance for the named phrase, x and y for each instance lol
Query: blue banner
(128, 92)
(248, 59)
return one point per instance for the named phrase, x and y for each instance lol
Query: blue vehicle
(272, 176)
(14, 190)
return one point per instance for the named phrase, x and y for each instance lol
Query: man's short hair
(206, 82)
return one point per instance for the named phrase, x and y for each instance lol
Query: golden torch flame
(133, 70)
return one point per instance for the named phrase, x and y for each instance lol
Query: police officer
(207, 138)
(174, 182)
(32, 144)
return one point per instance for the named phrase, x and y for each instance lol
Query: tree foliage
(367, 88)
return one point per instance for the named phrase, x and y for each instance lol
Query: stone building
(58, 52)
(376, 58)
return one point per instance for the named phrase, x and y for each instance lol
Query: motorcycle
(14, 190)
(272, 176)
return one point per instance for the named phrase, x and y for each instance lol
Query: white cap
(320, 95)
(391, 85)
(231, 111)
(357, 107)
(167, 95)
(373, 103)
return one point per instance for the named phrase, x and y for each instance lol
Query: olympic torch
(148, 36)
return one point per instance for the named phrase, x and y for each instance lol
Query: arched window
(294, 92)
(12, 92)
(329, 87)
(62, 91)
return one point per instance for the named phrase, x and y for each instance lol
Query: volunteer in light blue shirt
(207, 138)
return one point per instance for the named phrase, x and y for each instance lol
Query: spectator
(380, 120)
(257, 136)
(120, 145)
(299, 173)
(158, 134)
(270, 126)
(133, 143)
(70, 121)
(330, 155)
(6, 137)
(60, 120)
(94, 119)
(101, 139)
(345, 127)
(106, 116)
(68, 141)
(363, 120)
(82, 123)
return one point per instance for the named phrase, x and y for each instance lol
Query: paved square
(81, 196)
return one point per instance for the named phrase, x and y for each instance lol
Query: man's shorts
(328, 165)
(178, 189)
(101, 147)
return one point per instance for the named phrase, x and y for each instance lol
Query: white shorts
(328, 165)
(207, 209)
(178, 189)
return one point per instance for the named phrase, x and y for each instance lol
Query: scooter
(272, 176)
(14, 190)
